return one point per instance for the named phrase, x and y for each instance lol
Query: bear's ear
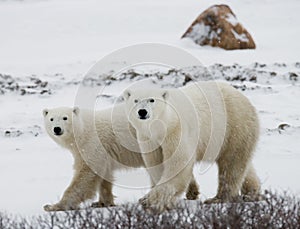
(45, 112)
(76, 110)
(126, 94)
(165, 94)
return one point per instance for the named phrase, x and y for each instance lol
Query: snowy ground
(57, 41)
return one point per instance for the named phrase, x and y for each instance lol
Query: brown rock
(218, 26)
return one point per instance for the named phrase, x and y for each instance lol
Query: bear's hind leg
(251, 185)
(231, 175)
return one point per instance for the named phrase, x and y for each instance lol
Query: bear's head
(58, 123)
(145, 105)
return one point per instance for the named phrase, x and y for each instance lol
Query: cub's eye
(65, 118)
(51, 119)
(151, 100)
(136, 100)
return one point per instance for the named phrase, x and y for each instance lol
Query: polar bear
(97, 153)
(204, 121)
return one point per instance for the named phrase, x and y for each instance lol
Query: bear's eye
(151, 100)
(136, 100)
(65, 118)
(51, 119)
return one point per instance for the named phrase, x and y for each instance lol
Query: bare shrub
(276, 211)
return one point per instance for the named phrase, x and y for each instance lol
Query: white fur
(100, 143)
(205, 121)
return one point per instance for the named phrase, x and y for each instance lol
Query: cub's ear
(165, 94)
(126, 94)
(45, 112)
(76, 110)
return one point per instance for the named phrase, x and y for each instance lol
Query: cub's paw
(54, 207)
(57, 207)
(102, 205)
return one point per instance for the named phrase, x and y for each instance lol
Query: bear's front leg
(160, 198)
(153, 163)
(82, 187)
(177, 173)
(106, 197)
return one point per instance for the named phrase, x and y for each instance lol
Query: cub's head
(145, 105)
(58, 122)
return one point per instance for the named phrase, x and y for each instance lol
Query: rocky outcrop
(218, 27)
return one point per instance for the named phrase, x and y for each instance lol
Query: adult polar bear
(97, 152)
(208, 121)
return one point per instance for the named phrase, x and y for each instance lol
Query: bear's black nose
(142, 113)
(57, 130)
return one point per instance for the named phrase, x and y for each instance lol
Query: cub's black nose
(142, 113)
(57, 130)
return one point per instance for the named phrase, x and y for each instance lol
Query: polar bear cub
(93, 138)
(204, 121)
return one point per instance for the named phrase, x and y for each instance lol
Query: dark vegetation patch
(276, 211)
(257, 73)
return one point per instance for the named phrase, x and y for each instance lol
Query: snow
(59, 40)
(241, 37)
(201, 30)
(231, 19)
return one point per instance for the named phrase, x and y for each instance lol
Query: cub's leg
(82, 187)
(192, 192)
(106, 197)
